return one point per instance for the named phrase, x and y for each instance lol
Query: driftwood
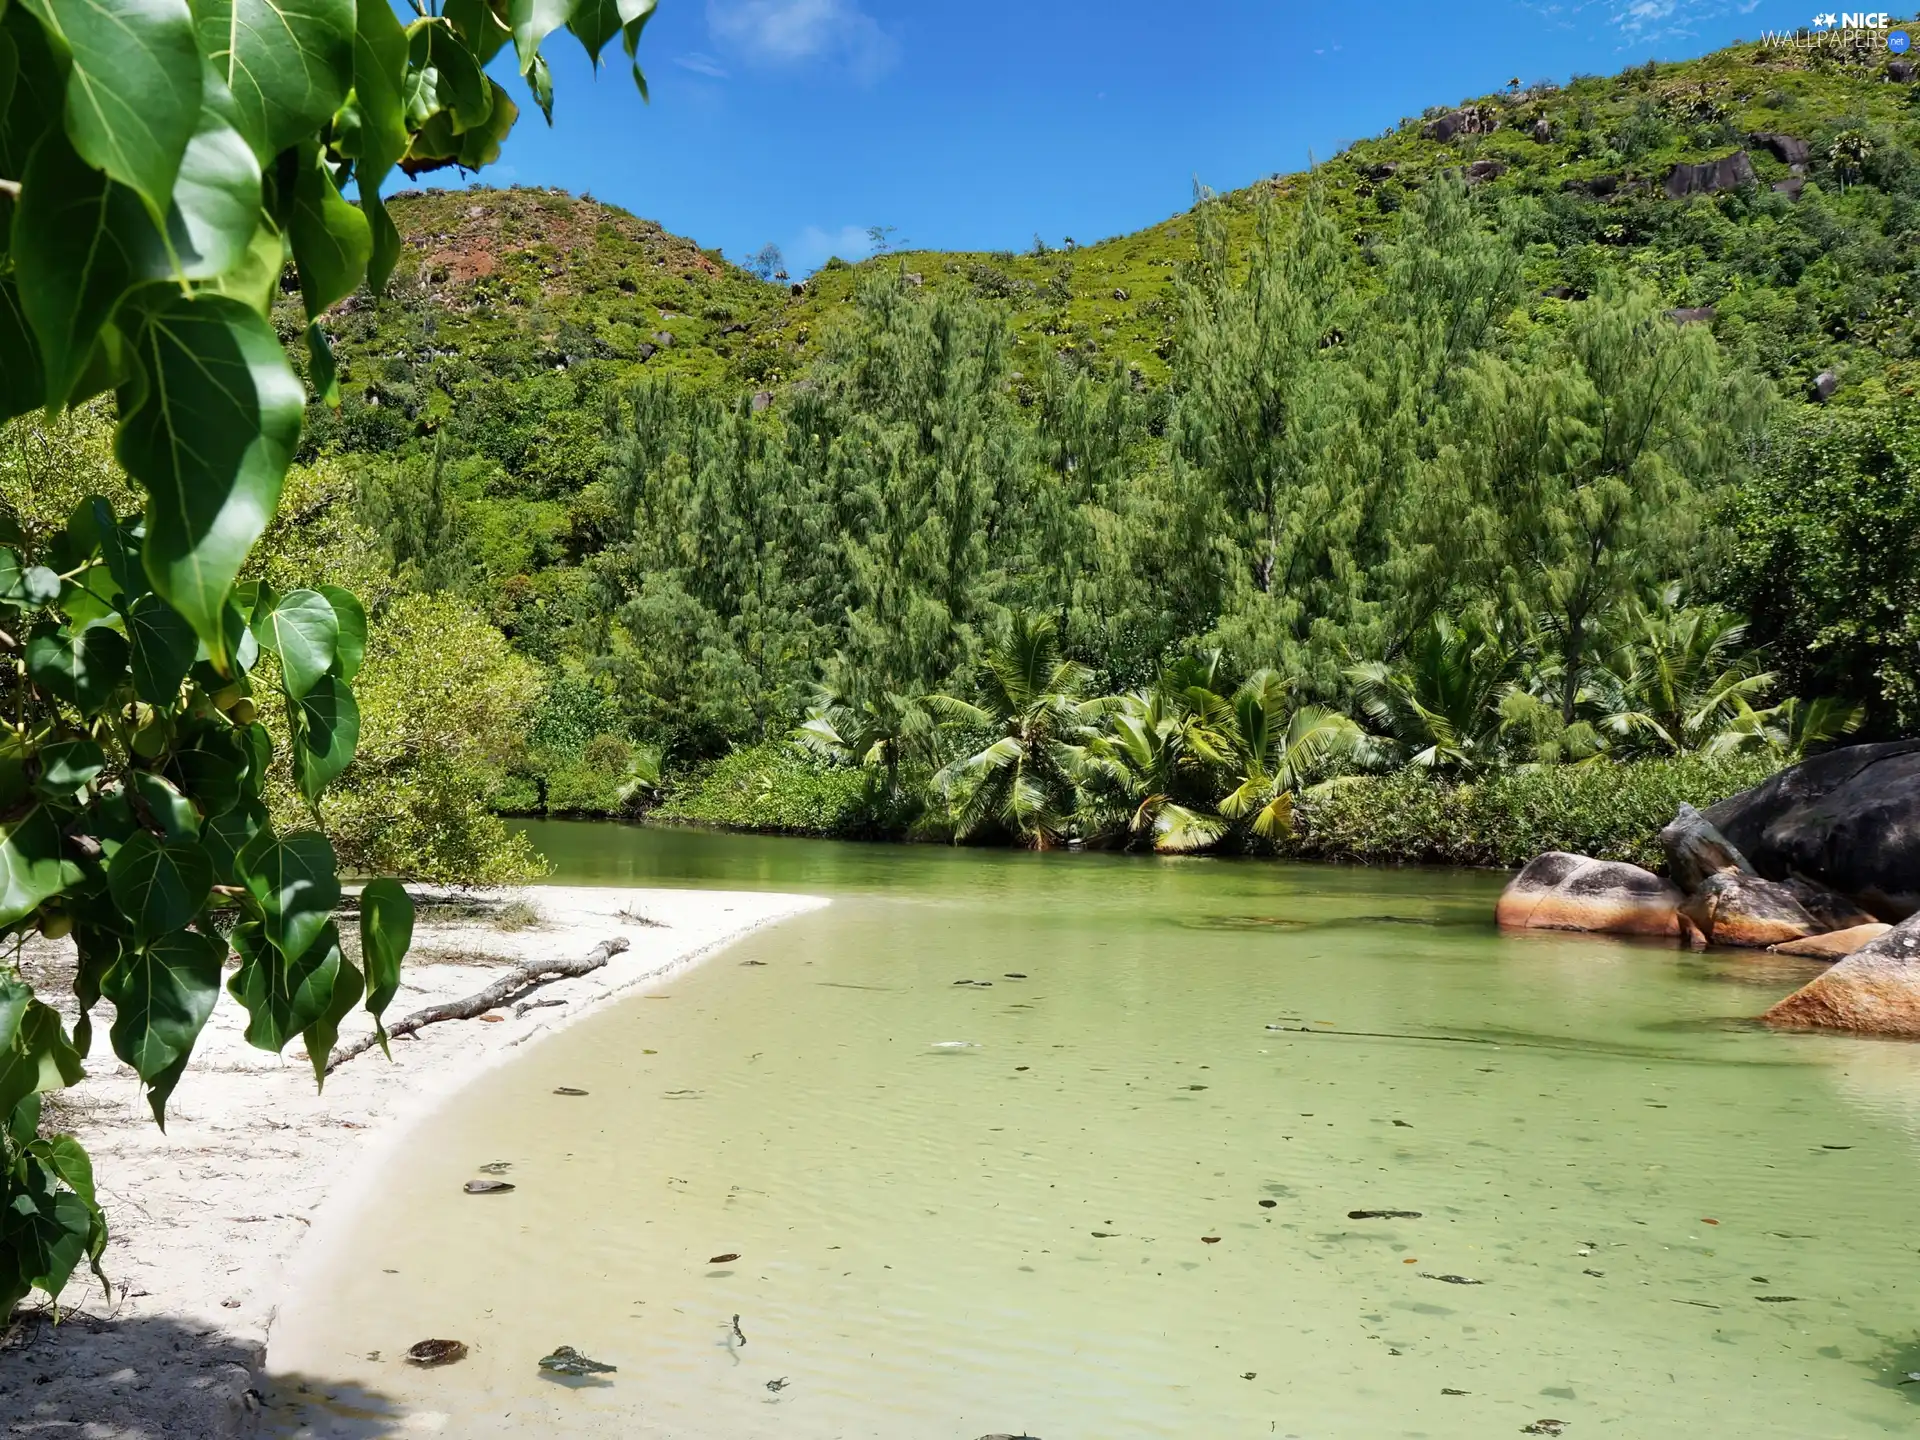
(504, 991)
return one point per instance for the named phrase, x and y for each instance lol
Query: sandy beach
(208, 1218)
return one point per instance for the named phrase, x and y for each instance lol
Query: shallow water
(1121, 1207)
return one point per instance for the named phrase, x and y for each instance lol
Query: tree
(767, 261)
(1440, 702)
(161, 163)
(1280, 751)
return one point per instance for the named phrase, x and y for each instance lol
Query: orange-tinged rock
(1735, 909)
(1561, 891)
(1835, 944)
(1874, 991)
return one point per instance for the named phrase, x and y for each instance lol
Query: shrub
(1609, 811)
(770, 787)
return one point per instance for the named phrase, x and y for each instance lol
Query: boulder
(1899, 71)
(1696, 851)
(1874, 991)
(1787, 149)
(1849, 819)
(1710, 177)
(1835, 944)
(1559, 891)
(1542, 131)
(1472, 120)
(1485, 170)
(1824, 384)
(1692, 315)
(1735, 909)
(1791, 186)
(1829, 908)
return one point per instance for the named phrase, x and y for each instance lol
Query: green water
(1121, 1209)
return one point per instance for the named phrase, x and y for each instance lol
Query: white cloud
(1650, 20)
(813, 247)
(701, 64)
(803, 32)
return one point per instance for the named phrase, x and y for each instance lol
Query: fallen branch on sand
(504, 991)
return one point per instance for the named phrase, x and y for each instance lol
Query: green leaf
(480, 146)
(331, 241)
(385, 253)
(211, 771)
(225, 836)
(595, 22)
(289, 64)
(178, 816)
(386, 934)
(67, 765)
(293, 881)
(372, 130)
(32, 866)
(39, 90)
(134, 90)
(23, 384)
(95, 530)
(304, 632)
(98, 949)
(162, 994)
(285, 997)
(319, 1037)
(216, 201)
(210, 434)
(164, 647)
(531, 22)
(478, 26)
(350, 646)
(159, 886)
(38, 1057)
(82, 667)
(80, 243)
(444, 76)
(326, 731)
(321, 374)
(255, 280)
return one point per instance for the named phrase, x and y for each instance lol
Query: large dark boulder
(1787, 149)
(1874, 991)
(1849, 819)
(1730, 908)
(1696, 851)
(1710, 177)
(1559, 891)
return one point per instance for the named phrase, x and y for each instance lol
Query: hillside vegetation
(1567, 424)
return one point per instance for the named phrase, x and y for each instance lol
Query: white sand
(207, 1218)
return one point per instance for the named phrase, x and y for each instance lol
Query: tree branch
(504, 991)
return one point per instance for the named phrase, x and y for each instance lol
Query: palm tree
(1034, 705)
(1279, 753)
(1790, 728)
(1679, 677)
(878, 735)
(1160, 751)
(1440, 704)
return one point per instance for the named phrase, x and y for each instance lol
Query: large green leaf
(33, 868)
(331, 240)
(23, 385)
(66, 765)
(293, 881)
(159, 885)
(289, 64)
(479, 26)
(38, 94)
(385, 253)
(211, 771)
(319, 1037)
(133, 93)
(164, 647)
(82, 667)
(209, 433)
(326, 731)
(444, 76)
(350, 646)
(372, 127)
(216, 202)
(285, 997)
(80, 243)
(98, 951)
(595, 22)
(226, 835)
(303, 630)
(37, 1058)
(531, 22)
(386, 934)
(162, 994)
(165, 805)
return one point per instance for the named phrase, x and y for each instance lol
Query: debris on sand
(1383, 1214)
(565, 1360)
(487, 1187)
(429, 1353)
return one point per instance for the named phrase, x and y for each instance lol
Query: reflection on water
(1005, 1144)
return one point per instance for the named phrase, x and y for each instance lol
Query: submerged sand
(207, 1218)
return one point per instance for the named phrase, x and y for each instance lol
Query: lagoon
(1069, 1145)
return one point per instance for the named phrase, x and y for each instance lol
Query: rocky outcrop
(1791, 186)
(1472, 120)
(1899, 71)
(1692, 315)
(1829, 908)
(1874, 991)
(1710, 177)
(1560, 891)
(1787, 149)
(1835, 944)
(1849, 819)
(1731, 908)
(1696, 851)
(1824, 384)
(1481, 170)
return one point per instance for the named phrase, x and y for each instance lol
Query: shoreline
(209, 1220)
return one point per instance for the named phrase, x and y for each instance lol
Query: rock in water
(1849, 818)
(1734, 909)
(1559, 891)
(1835, 944)
(1829, 908)
(1874, 991)
(1695, 851)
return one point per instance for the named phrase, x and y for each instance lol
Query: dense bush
(1611, 811)
(770, 787)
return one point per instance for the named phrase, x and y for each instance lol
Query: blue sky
(976, 126)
